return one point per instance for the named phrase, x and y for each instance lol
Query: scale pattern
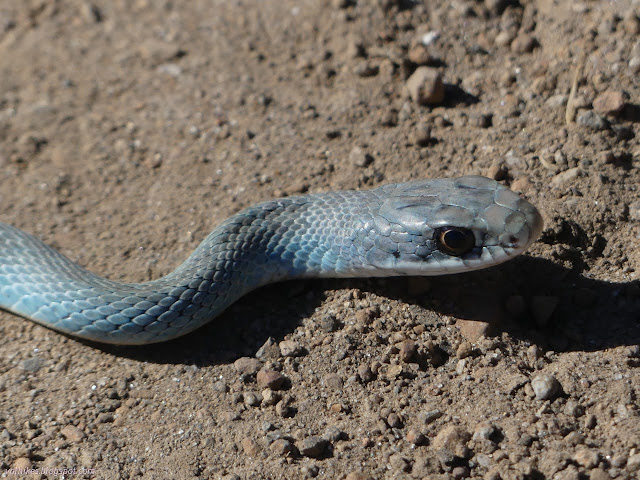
(381, 232)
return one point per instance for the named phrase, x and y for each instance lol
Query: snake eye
(454, 241)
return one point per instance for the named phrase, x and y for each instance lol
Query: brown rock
(472, 330)
(367, 315)
(281, 447)
(332, 381)
(451, 437)
(359, 157)
(610, 102)
(564, 178)
(250, 446)
(22, 463)
(289, 348)
(523, 43)
(420, 54)
(365, 373)
(545, 386)
(415, 437)
(521, 184)
(425, 86)
(270, 379)
(587, 458)
(73, 434)
(420, 135)
(247, 365)
(408, 350)
(498, 170)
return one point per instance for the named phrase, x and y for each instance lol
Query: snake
(418, 228)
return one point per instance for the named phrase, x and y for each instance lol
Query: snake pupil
(455, 241)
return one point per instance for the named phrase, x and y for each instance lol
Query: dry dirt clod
(425, 86)
(545, 386)
(610, 102)
(270, 379)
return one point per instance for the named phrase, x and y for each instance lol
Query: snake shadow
(555, 307)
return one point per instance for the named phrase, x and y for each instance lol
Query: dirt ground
(130, 129)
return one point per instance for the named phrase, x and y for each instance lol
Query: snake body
(427, 227)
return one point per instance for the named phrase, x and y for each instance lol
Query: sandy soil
(129, 129)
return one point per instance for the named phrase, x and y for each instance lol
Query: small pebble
(394, 420)
(313, 447)
(289, 348)
(461, 472)
(270, 379)
(498, 170)
(610, 102)
(419, 54)
(631, 23)
(408, 350)
(360, 158)
(284, 409)
(281, 447)
(365, 373)
(22, 463)
(425, 86)
(32, 364)
(587, 458)
(473, 330)
(269, 397)
(332, 381)
(592, 120)
(252, 400)
(399, 463)
(247, 365)
(523, 43)
(73, 433)
(420, 135)
(522, 184)
(484, 120)
(451, 437)
(496, 7)
(545, 386)
(365, 69)
(415, 437)
(250, 447)
(464, 350)
(565, 178)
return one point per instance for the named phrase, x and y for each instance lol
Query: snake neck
(296, 237)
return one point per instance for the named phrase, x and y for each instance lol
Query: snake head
(433, 227)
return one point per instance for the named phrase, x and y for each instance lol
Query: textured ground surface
(129, 129)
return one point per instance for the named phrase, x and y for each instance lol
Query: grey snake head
(442, 226)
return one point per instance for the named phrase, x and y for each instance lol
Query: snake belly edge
(424, 227)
